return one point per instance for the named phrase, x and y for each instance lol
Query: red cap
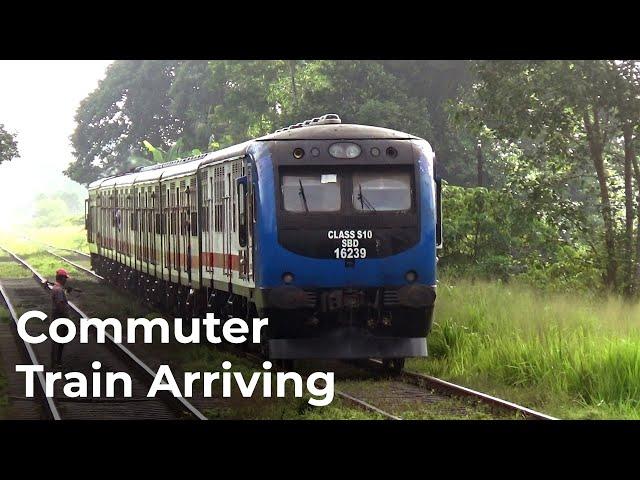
(61, 272)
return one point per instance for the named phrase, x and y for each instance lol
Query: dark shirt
(59, 304)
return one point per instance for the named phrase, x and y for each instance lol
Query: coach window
(194, 224)
(311, 193)
(172, 231)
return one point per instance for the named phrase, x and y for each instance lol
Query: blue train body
(273, 259)
(328, 229)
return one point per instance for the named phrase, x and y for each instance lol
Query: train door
(126, 220)
(112, 224)
(175, 229)
(99, 215)
(219, 214)
(147, 227)
(88, 225)
(168, 259)
(155, 227)
(185, 230)
(192, 230)
(228, 225)
(242, 231)
(244, 227)
(135, 205)
(251, 218)
(206, 181)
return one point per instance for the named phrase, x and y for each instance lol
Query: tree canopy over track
(545, 150)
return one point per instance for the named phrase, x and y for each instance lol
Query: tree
(218, 103)
(564, 111)
(626, 93)
(130, 105)
(8, 145)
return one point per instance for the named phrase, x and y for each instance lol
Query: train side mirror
(241, 189)
(438, 181)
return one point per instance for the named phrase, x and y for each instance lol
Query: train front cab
(346, 266)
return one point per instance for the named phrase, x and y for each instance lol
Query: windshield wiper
(304, 197)
(363, 201)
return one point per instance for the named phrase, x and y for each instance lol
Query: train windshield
(382, 191)
(311, 192)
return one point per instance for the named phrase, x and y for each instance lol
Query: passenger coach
(329, 229)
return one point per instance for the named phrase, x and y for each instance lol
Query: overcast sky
(38, 100)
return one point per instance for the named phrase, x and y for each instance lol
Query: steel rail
(343, 395)
(50, 406)
(73, 250)
(124, 351)
(421, 379)
(26, 237)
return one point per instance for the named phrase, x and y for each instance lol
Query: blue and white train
(328, 229)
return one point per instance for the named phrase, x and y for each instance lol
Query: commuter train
(328, 229)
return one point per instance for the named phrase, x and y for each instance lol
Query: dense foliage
(208, 105)
(8, 145)
(60, 208)
(539, 158)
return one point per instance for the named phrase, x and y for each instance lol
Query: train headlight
(298, 153)
(411, 276)
(287, 277)
(344, 150)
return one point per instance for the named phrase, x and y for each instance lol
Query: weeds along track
(31, 293)
(447, 389)
(366, 385)
(410, 395)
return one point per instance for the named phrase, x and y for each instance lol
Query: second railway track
(22, 294)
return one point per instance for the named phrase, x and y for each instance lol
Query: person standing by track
(59, 309)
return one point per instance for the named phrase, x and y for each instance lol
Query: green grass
(572, 356)
(65, 236)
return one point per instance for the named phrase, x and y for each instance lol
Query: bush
(492, 234)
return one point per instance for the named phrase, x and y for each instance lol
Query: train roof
(189, 165)
(173, 169)
(338, 131)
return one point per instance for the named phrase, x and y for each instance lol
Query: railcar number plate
(349, 243)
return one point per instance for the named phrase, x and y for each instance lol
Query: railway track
(48, 246)
(411, 389)
(451, 389)
(416, 387)
(112, 356)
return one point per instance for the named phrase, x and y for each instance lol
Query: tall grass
(578, 347)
